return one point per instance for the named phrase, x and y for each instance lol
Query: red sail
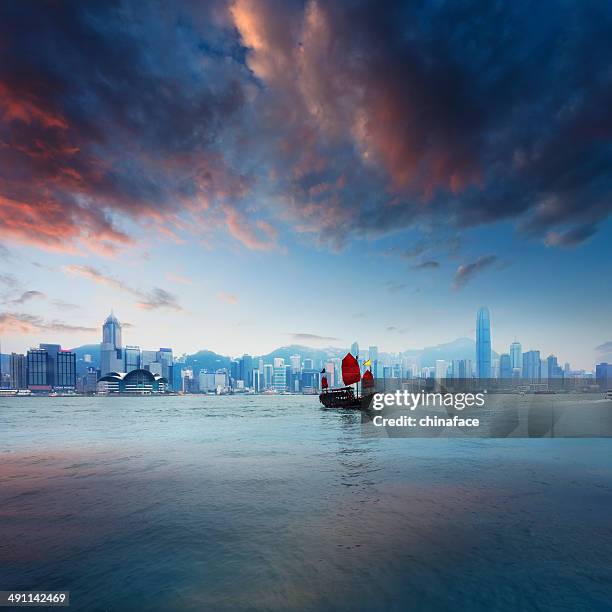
(324, 384)
(350, 370)
(367, 380)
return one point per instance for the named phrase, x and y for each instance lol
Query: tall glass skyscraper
(483, 344)
(516, 357)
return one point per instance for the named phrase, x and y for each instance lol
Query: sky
(241, 175)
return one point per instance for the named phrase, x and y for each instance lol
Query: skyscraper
(483, 344)
(355, 349)
(111, 354)
(531, 365)
(52, 352)
(38, 370)
(553, 368)
(18, 371)
(505, 366)
(65, 370)
(132, 358)
(373, 356)
(246, 370)
(516, 357)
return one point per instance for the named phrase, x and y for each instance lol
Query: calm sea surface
(270, 503)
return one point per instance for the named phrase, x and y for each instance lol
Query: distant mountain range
(461, 348)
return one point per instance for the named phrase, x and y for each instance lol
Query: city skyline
(114, 354)
(115, 368)
(239, 176)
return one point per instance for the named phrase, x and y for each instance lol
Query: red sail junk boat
(346, 397)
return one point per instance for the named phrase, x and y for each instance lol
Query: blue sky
(233, 175)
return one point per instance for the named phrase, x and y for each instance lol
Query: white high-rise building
(296, 363)
(441, 367)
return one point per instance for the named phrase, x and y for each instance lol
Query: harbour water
(271, 503)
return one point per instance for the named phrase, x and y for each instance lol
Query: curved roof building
(136, 382)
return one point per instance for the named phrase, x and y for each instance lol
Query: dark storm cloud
(409, 113)
(467, 272)
(110, 110)
(338, 118)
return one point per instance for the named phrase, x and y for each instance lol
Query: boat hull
(344, 399)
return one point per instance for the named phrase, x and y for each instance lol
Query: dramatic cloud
(21, 323)
(26, 296)
(467, 272)
(112, 111)
(412, 113)
(147, 300)
(337, 119)
(427, 265)
(302, 337)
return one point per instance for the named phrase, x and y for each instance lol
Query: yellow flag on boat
(367, 363)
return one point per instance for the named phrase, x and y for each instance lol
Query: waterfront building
(155, 368)
(483, 344)
(310, 380)
(279, 378)
(246, 370)
(268, 371)
(355, 349)
(132, 358)
(88, 382)
(531, 366)
(603, 375)
(18, 371)
(309, 364)
(147, 357)
(462, 368)
(373, 357)
(213, 381)
(296, 363)
(52, 351)
(441, 367)
(111, 353)
(136, 382)
(65, 370)
(166, 358)
(505, 366)
(516, 357)
(495, 368)
(552, 367)
(278, 362)
(37, 363)
(257, 380)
